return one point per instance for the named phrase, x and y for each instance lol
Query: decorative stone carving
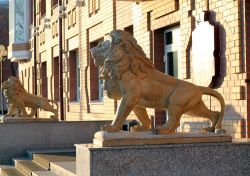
(130, 76)
(19, 98)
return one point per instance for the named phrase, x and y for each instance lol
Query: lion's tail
(211, 92)
(56, 109)
(54, 102)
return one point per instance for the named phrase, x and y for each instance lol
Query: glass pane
(169, 38)
(172, 63)
(100, 85)
(175, 63)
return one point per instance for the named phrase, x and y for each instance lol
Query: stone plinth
(123, 138)
(206, 159)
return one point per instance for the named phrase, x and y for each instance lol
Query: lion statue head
(14, 84)
(120, 54)
(116, 56)
(100, 52)
(126, 54)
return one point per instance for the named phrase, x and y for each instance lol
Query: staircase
(43, 163)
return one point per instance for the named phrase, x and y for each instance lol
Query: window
(74, 75)
(100, 86)
(93, 6)
(177, 4)
(78, 77)
(31, 12)
(56, 78)
(53, 3)
(28, 80)
(43, 7)
(96, 85)
(74, 16)
(171, 43)
(71, 18)
(42, 38)
(44, 85)
(54, 29)
(33, 80)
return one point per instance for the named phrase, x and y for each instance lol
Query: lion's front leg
(126, 106)
(21, 106)
(12, 110)
(142, 115)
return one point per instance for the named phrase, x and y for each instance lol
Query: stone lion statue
(130, 76)
(19, 98)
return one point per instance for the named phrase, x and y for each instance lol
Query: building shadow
(223, 46)
(233, 122)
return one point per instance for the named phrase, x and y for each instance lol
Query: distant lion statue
(19, 98)
(130, 76)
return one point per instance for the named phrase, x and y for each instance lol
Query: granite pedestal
(16, 119)
(20, 136)
(204, 159)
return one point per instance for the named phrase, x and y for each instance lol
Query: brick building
(5, 69)
(165, 30)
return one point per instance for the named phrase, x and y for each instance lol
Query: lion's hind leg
(48, 107)
(174, 115)
(201, 110)
(32, 113)
(55, 116)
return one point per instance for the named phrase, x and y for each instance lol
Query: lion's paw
(208, 129)
(109, 128)
(164, 130)
(54, 117)
(139, 128)
(220, 131)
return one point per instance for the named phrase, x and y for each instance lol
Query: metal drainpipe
(60, 62)
(35, 52)
(35, 48)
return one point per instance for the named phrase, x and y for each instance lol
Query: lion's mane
(124, 54)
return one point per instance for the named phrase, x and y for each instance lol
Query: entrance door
(171, 45)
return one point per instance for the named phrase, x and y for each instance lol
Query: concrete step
(28, 166)
(44, 173)
(67, 168)
(6, 167)
(45, 159)
(11, 172)
(48, 151)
